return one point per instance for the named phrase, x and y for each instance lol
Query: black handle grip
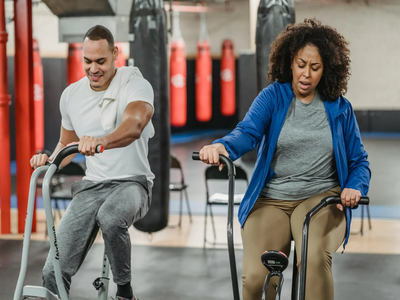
(337, 200)
(71, 150)
(222, 159)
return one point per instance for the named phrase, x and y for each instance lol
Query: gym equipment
(177, 76)
(272, 17)
(148, 49)
(231, 250)
(203, 75)
(213, 173)
(38, 106)
(75, 62)
(29, 292)
(276, 262)
(304, 248)
(120, 62)
(228, 79)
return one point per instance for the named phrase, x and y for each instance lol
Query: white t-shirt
(80, 112)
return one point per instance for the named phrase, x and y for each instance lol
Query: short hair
(100, 32)
(332, 48)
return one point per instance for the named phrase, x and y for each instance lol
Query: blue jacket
(262, 126)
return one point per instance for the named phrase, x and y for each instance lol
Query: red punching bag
(75, 62)
(121, 62)
(177, 72)
(203, 76)
(228, 92)
(178, 83)
(38, 107)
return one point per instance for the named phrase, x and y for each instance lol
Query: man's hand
(349, 197)
(88, 144)
(39, 160)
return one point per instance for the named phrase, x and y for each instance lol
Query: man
(110, 107)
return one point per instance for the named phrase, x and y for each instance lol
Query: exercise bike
(275, 261)
(38, 292)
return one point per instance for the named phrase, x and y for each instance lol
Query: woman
(309, 147)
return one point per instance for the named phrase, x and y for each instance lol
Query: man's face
(99, 63)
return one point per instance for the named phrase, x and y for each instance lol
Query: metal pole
(28, 231)
(5, 177)
(231, 245)
(24, 106)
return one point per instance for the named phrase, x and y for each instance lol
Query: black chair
(213, 173)
(362, 220)
(181, 187)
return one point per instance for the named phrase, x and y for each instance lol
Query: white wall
(373, 32)
(221, 25)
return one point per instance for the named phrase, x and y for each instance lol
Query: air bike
(275, 261)
(29, 292)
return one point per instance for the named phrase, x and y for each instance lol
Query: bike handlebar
(337, 200)
(71, 150)
(304, 244)
(231, 190)
(223, 159)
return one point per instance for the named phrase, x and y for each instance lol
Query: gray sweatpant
(111, 205)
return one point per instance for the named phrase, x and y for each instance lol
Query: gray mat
(194, 274)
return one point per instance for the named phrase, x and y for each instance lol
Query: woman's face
(307, 69)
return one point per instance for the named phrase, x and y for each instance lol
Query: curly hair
(332, 48)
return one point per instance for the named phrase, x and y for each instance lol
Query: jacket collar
(336, 108)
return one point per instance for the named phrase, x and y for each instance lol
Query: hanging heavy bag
(75, 69)
(228, 79)
(272, 17)
(148, 48)
(203, 75)
(177, 76)
(121, 59)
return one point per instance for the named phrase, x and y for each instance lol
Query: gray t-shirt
(304, 160)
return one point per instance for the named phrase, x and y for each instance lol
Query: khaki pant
(271, 225)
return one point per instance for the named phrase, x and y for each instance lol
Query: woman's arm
(249, 132)
(358, 165)
(357, 184)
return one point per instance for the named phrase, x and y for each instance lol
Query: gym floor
(367, 269)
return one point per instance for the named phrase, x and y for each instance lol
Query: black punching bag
(272, 17)
(148, 48)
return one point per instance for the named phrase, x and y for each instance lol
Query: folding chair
(181, 187)
(213, 173)
(362, 220)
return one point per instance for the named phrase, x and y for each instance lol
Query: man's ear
(115, 53)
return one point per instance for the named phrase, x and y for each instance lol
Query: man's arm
(66, 137)
(135, 118)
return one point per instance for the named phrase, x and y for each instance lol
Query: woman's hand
(349, 197)
(210, 154)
